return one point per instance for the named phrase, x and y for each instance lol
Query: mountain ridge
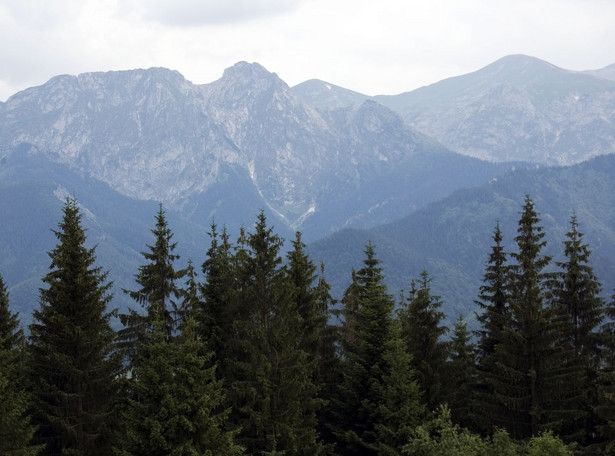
(518, 108)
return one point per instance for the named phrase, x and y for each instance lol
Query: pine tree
(16, 431)
(422, 329)
(158, 290)
(72, 365)
(176, 403)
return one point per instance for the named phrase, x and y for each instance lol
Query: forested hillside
(246, 353)
(450, 237)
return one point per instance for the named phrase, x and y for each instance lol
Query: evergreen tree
(605, 409)
(579, 310)
(577, 292)
(459, 379)
(157, 293)
(190, 298)
(16, 431)
(493, 302)
(175, 405)
(422, 329)
(72, 366)
(376, 367)
(533, 381)
(302, 275)
(215, 314)
(400, 409)
(269, 376)
(494, 317)
(311, 295)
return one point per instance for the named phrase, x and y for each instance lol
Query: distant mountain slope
(607, 72)
(323, 95)
(451, 238)
(123, 141)
(518, 108)
(152, 135)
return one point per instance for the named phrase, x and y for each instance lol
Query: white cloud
(387, 47)
(190, 13)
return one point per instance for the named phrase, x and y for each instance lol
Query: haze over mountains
(517, 108)
(316, 157)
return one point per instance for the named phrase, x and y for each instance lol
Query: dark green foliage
(493, 302)
(16, 432)
(422, 330)
(579, 311)
(522, 356)
(494, 318)
(11, 336)
(400, 409)
(533, 381)
(606, 409)
(175, 402)
(158, 291)
(301, 274)
(72, 366)
(577, 292)
(459, 375)
(376, 369)
(318, 338)
(214, 316)
(269, 377)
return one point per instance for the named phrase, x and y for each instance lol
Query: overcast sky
(374, 47)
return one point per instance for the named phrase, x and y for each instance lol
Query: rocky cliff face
(152, 135)
(518, 108)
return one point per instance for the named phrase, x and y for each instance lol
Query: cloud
(194, 13)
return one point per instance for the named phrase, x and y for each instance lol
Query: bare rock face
(153, 135)
(517, 108)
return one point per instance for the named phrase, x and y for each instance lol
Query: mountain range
(315, 157)
(517, 108)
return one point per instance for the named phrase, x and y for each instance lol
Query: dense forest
(250, 354)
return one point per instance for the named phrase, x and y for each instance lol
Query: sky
(373, 47)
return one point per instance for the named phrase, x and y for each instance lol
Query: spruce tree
(494, 317)
(400, 409)
(493, 303)
(312, 298)
(532, 378)
(214, 316)
(422, 329)
(577, 291)
(158, 291)
(376, 367)
(580, 311)
(302, 275)
(176, 403)
(72, 365)
(16, 430)
(460, 373)
(269, 377)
